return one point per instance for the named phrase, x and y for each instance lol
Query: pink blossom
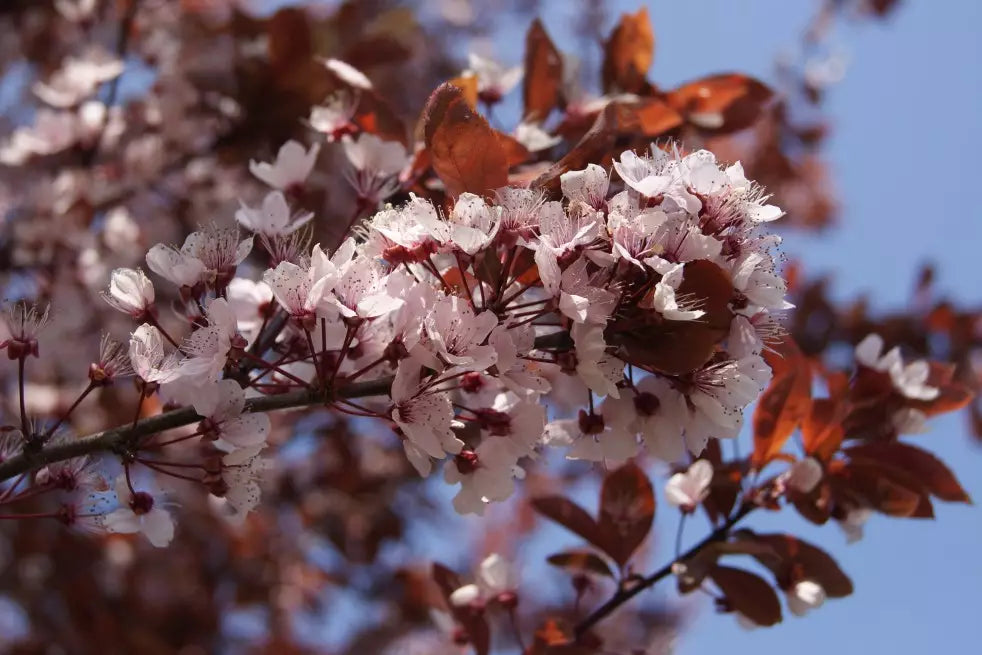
(139, 513)
(221, 404)
(273, 218)
(457, 335)
(687, 490)
(292, 166)
(423, 416)
(131, 292)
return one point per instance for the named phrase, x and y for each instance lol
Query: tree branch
(115, 437)
(625, 594)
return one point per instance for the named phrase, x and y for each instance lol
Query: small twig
(625, 594)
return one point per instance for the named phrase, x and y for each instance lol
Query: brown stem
(118, 437)
(114, 438)
(625, 594)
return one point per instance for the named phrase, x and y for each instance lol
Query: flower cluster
(640, 307)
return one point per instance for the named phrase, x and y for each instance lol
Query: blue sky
(905, 123)
(903, 155)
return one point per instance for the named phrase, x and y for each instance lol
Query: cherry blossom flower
(363, 290)
(518, 375)
(456, 335)
(534, 138)
(242, 470)
(633, 232)
(273, 218)
(910, 380)
(290, 170)
(19, 329)
(803, 596)
(348, 73)
(486, 474)
(303, 291)
(208, 347)
(560, 234)
(515, 419)
(473, 225)
(113, 363)
(804, 475)
(754, 277)
(139, 513)
(520, 212)
(602, 436)
(717, 395)
(220, 251)
(582, 300)
(147, 356)
(131, 292)
(644, 174)
(687, 490)
(599, 370)
(496, 579)
(250, 302)
(334, 117)
(666, 302)
(411, 233)
(375, 165)
(224, 423)
(657, 412)
(588, 186)
(680, 240)
(853, 523)
(424, 417)
(176, 266)
(751, 199)
(493, 80)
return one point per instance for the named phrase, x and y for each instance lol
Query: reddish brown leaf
(581, 561)
(627, 509)
(515, 152)
(656, 117)
(822, 431)
(721, 103)
(815, 506)
(700, 565)
(784, 404)
(465, 152)
(543, 74)
(591, 148)
(289, 42)
(678, 347)
(468, 87)
(571, 516)
(376, 116)
(748, 594)
(931, 471)
(628, 53)
(885, 488)
(446, 579)
(953, 394)
(794, 560)
(725, 488)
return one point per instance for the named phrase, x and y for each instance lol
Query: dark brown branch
(625, 594)
(116, 437)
